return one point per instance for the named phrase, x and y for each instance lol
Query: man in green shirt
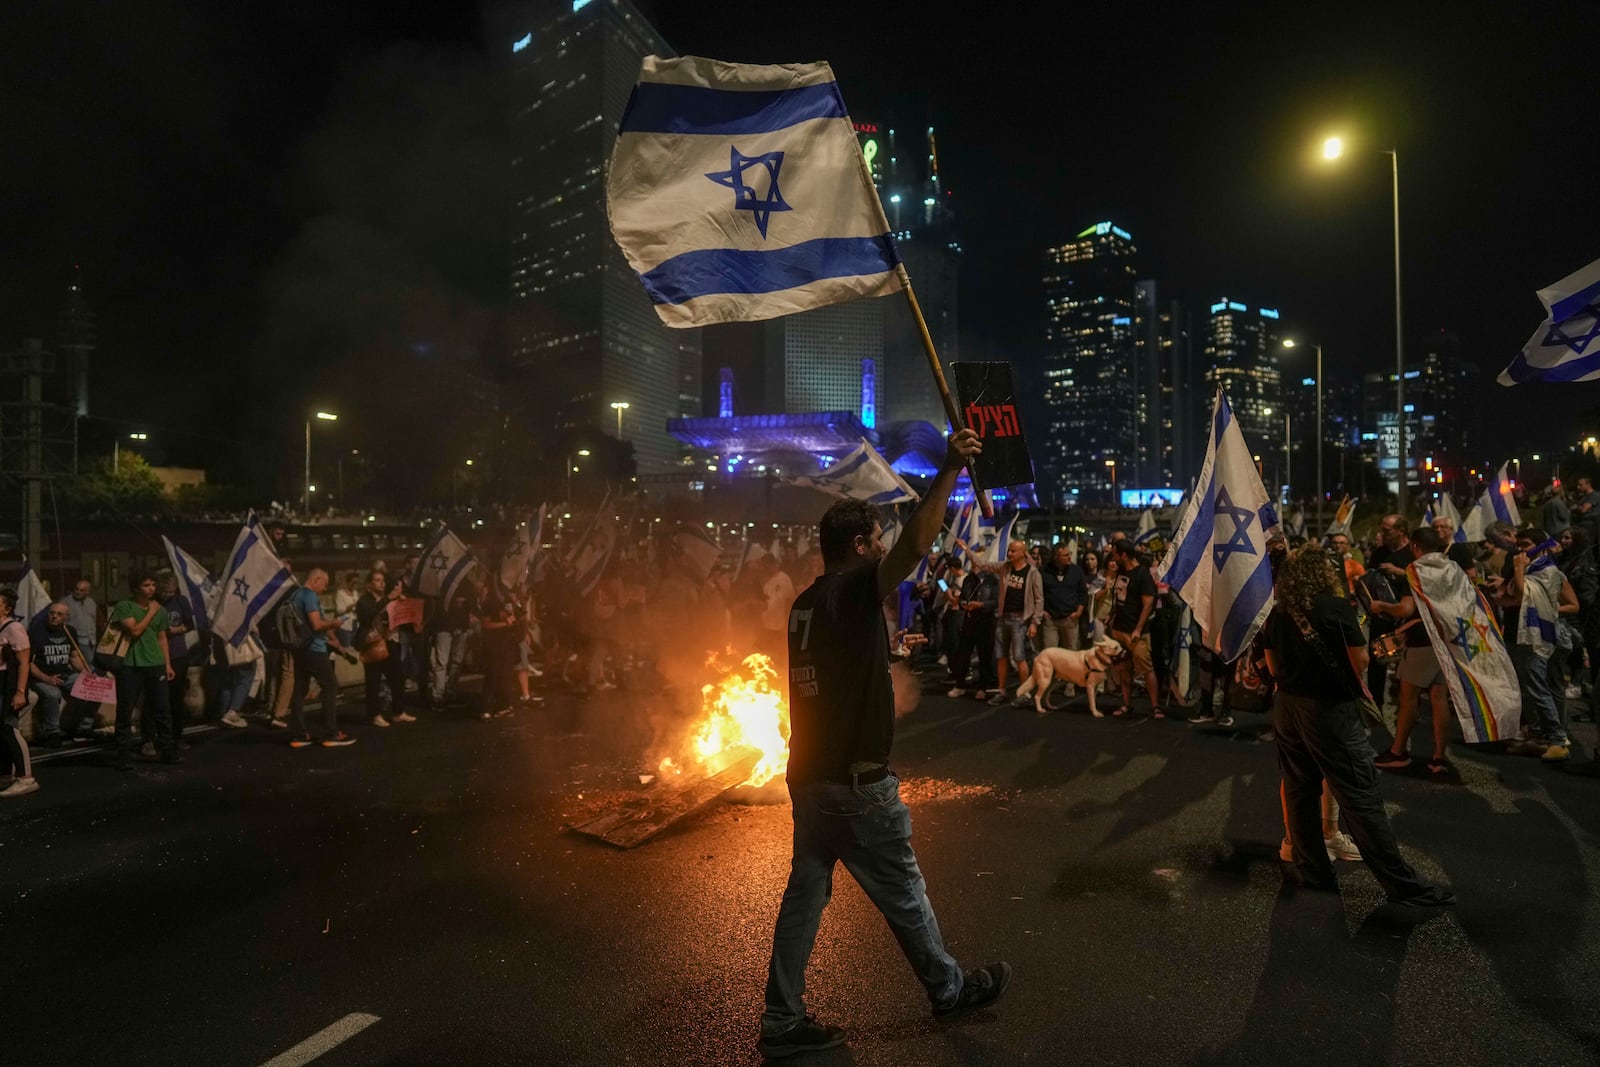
(145, 672)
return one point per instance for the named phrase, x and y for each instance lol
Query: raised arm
(929, 514)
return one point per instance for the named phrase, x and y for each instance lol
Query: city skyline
(204, 199)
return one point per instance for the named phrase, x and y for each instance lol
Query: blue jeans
(868, 829)
(1539, 712)
(236, 686)
(51, 697)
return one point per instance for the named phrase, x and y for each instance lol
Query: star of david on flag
(442, 566)
(1472, 654)
(255, 580)
(1217, 562)
(1566, 346)
(739, 192)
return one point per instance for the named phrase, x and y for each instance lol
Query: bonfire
(742, 709)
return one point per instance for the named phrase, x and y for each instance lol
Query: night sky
(275, 197)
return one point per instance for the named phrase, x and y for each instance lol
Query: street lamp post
(1288, 342)
(1333, 148)
(1113, 465)
(1286, 472)
(619, 406)
(324, 416)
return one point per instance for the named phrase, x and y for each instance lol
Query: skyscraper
(1089, 290)
(1241, 353)
(583, 335)
(1164, 391)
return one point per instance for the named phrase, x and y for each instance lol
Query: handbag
(1368, 706)
(374, 646)
(112, 648)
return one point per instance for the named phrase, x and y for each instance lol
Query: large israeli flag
(1566, 347)
(1217, 561)
(255, 580)
(739, 193)
(195, 584)
(32, 597)
(442, 567)
(996, 552)
(520, 553)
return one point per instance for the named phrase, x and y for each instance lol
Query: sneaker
(982, 987)
(1340, 847)
(277, 723)
(1069, 691)
(379, 720)
(998, 699)
(1392, 761)
(233, 719)
(806, 1036)
(147, 750)
(338, 740)
(1203, 717)
(1226, 721)
(1573, 692)
(405, 717)
(1556, 753)
(20, 787)
(956, 693)
(302, 741)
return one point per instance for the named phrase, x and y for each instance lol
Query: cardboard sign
(989, 408)
(405, 612)
(95, 688)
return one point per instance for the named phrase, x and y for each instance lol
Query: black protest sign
(989, 408)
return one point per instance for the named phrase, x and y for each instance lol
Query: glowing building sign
(522, 42)
(1269, 313)
(870, 150)
(579, 5)
(1100, 229)
(864, 127)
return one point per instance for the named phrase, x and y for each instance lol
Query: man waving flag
(1217, 561)
(738, 193)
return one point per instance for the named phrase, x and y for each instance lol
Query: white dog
(1079, 668)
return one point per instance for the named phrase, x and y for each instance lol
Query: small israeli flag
(1217, 561)
(1566, 347)
(256, 579)
(1497, 504)
(996, 552)
(1147, 531)
(862, 475)
(739, 193)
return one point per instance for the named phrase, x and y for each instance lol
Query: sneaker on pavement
(20, 787)
(1226, 721)
(406, 716)
(998, 699)
(277, 723)
(379, 720)
(806, 1036)
(1070, 691)
(1202, 717)
(956, 693)
(233, 719)
(1573, 692)
(338, 740)
(148, 750)
(302, 741)
(1392, 761)
(1340, 847)
(982, 987)
(1557, 753)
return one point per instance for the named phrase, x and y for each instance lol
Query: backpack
(290, 625)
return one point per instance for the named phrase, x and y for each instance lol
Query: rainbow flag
(1470, 647)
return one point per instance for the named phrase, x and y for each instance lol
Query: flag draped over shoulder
(1566, 346)
(254, 581)
(1217, 561)
(1467, 641)
(738, 192)
(443, 565)
(863, 474)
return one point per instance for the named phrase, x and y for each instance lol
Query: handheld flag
(738, 193)
(442, 566)
(520, 553)
(1563, 348)
(589, 559)
(996, 552)
(1297, 524)
(863, 474)
(1147, 531)
(1342, 516)
(1497, 504)
(1218, 562)
(195, 584)
(698, 553)
(32, 597)
(254, 581)
(1467, 641)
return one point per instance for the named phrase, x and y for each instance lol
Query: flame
(744, 707)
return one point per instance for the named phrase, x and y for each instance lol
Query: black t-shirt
(52, 651)
(841, 702)
(1302, 669)
(1016, 590)
(1132, 587)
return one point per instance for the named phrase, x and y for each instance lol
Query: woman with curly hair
(1318, 655)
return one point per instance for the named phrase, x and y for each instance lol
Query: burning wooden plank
(638, 819)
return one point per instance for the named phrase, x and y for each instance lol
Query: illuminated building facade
(1241, 355)
(582, 334)
(1090, 438)
(1164, 387)
(1439, 400)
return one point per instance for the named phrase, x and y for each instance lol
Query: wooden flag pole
(951, 411)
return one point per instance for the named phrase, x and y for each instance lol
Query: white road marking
(323, 1041)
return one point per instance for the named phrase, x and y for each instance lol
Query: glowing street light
(1289, 342)
(619, 406)
(321, 416)
(1333, 148)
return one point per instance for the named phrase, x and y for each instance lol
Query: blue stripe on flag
(1578, 302)
(1246, 606)
(732, 270)
(1497, 500)
(658, 108)
(1521, 371)
(414, 579)
(258, 603)
(453, 578)
(1546, 628)
(1196, 545)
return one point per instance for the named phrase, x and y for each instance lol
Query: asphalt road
(417, 892)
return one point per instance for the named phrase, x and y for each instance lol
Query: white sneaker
(1573, 692)
(379, 720)
(955, 694)
(233, 719)
(1340, 847)
(1069, 690)
(20, 788)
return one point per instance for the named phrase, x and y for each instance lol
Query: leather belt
(877, 774)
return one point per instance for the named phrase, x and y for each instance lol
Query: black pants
(147, 687)
(1321, 741)
(499, 675)
(177, 690)
(390, 670)
(1214, 675)
(309, 665)
(977, 632)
